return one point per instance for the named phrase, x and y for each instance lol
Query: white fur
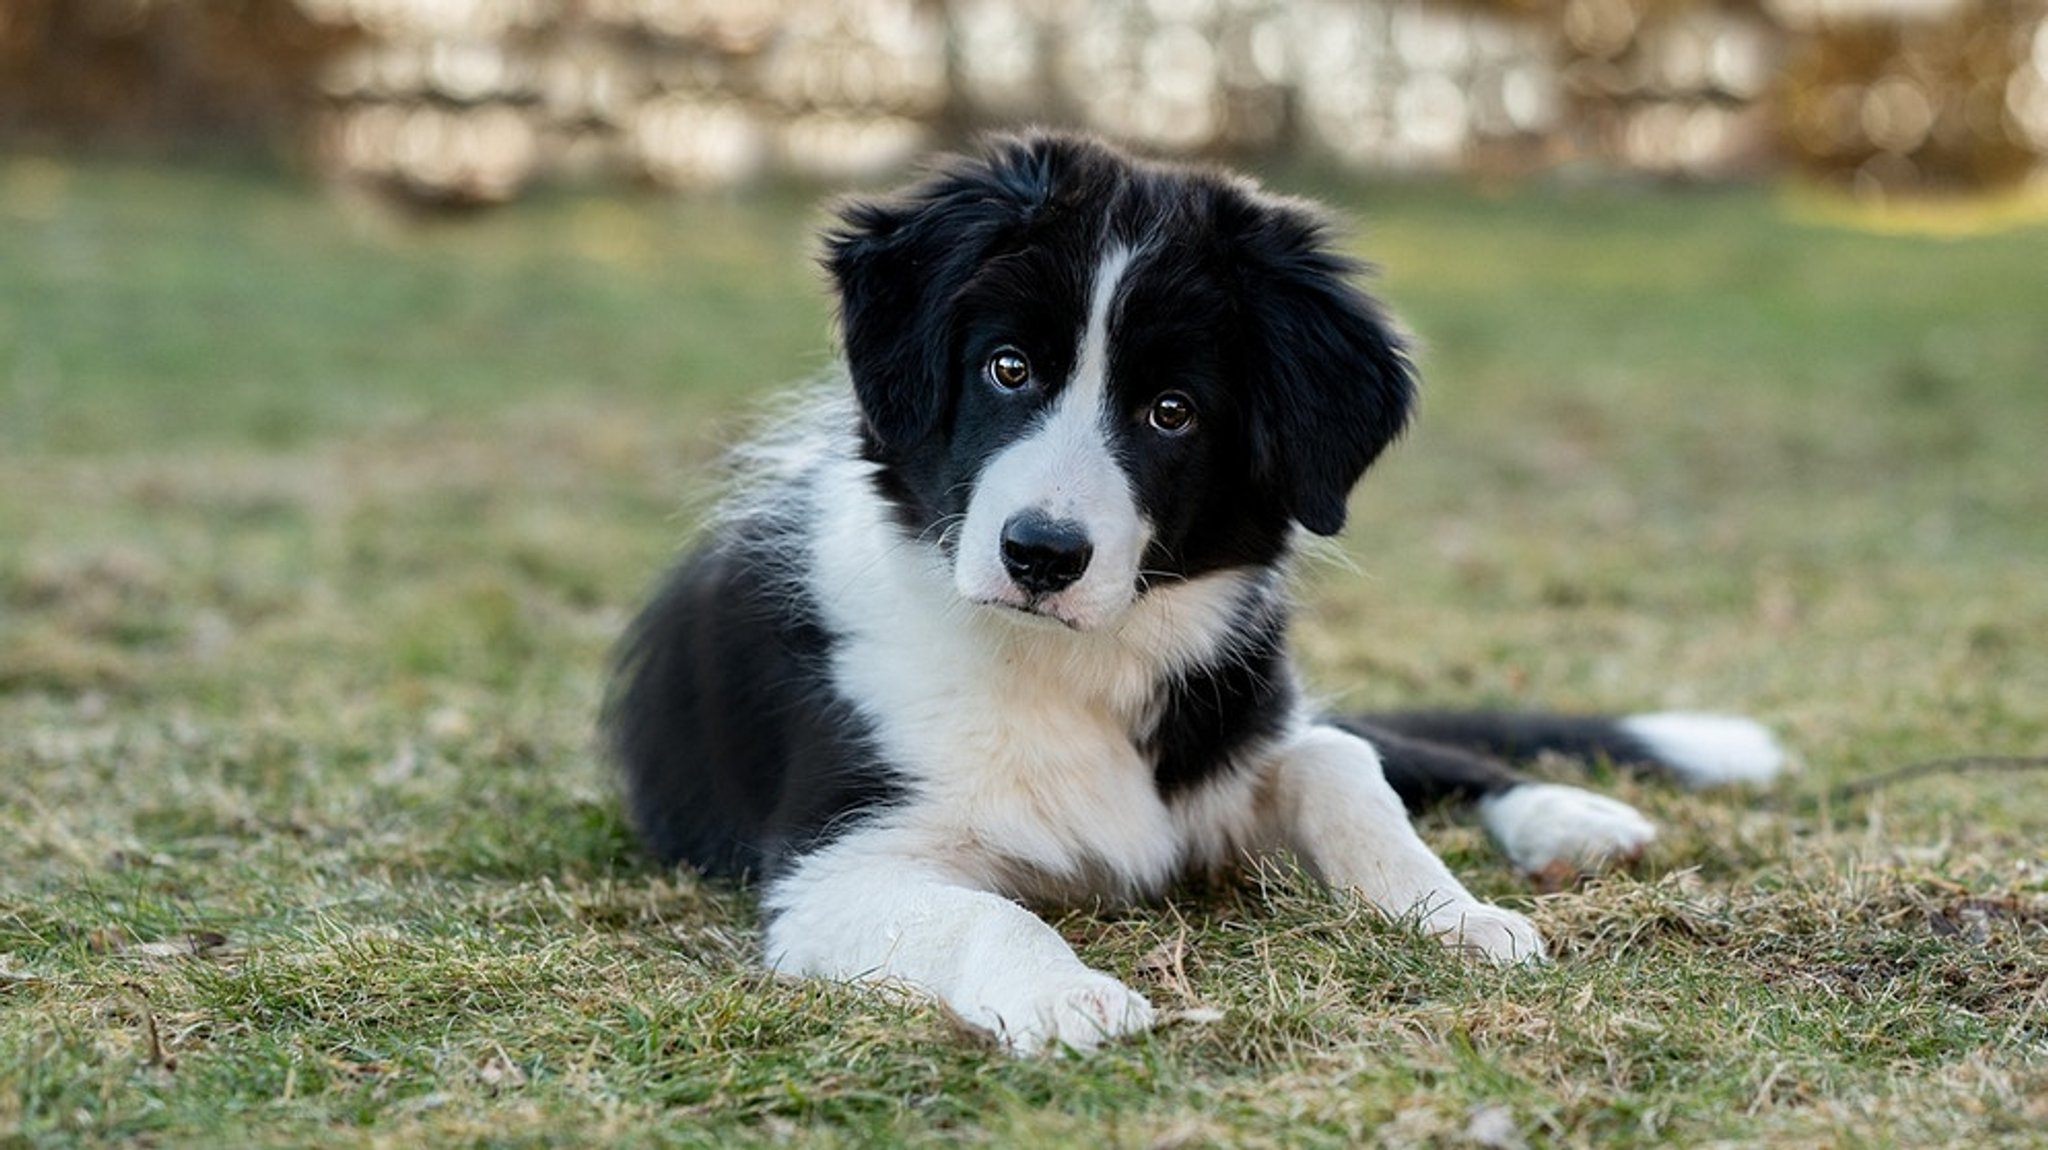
(1066, 469)
(1016, 740)
(1541, 825)
(865, 908)
(1010, 729)
(1706, 750)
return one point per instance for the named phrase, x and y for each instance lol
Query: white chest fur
(1018, 737)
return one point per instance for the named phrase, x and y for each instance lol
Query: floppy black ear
(899, 261)
(1332, 382)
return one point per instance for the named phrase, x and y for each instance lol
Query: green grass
(315, 526)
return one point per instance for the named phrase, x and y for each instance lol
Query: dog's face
(1083, 376)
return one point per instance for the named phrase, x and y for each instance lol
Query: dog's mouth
(1035, 610)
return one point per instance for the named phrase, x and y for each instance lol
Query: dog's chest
(1022, 754)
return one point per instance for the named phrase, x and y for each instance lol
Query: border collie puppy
(1004, 622)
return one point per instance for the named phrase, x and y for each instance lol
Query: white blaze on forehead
(1070, 451)
(1065, 467)
(1090, 382)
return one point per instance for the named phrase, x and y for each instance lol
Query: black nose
(1043, 554)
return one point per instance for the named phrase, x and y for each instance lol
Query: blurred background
(477, 101)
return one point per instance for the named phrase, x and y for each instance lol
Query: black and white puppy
(1007, 624)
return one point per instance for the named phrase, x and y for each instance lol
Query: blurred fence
(474, 100)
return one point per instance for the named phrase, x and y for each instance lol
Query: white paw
(1078, 1009)
(1705, 750)
(1546, 825)
(1482, 928)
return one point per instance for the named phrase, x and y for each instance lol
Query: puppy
(1001, 619)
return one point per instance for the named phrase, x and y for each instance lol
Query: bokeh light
(473, 101)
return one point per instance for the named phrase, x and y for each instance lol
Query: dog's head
(1082, 375)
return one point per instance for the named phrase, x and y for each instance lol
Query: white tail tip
(1706, 750)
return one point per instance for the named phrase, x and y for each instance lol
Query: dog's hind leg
(1540, 826)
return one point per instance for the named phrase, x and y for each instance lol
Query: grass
(315, 526)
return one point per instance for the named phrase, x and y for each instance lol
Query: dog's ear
(899, 261)
(1332, 382)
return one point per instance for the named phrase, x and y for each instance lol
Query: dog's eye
(1008, 369)
(1173, 412)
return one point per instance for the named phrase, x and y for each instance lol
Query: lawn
(316, 524)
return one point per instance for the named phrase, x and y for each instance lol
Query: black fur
(1521, 735)
(1428, 773)
(1239, 302)
(736, 752)
(1433, 757)
(1210, 715)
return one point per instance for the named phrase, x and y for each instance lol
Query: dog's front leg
(856, 912)
(1336, 810)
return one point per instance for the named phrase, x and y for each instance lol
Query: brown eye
(1172, 412)
(1008, 369)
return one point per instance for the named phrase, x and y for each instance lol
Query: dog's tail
(1690, 748)
(1433, 756)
